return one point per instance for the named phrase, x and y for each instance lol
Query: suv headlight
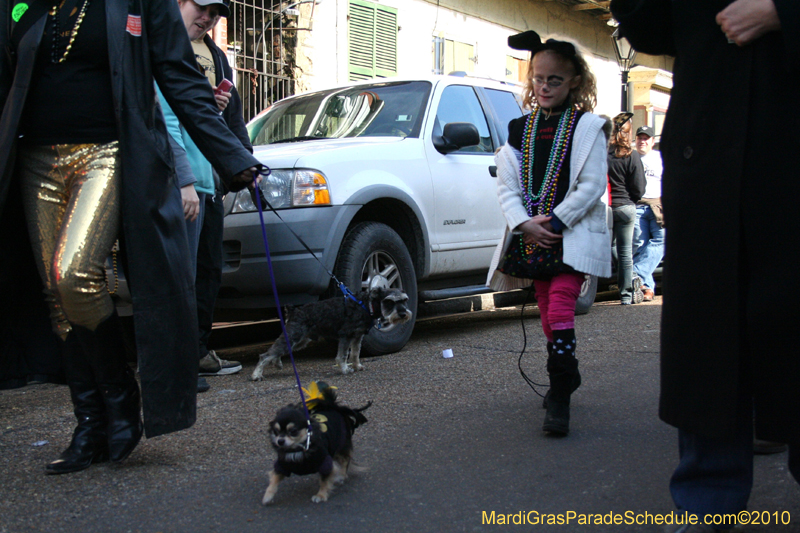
(287, 188)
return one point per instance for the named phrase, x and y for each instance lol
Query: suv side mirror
(456, 135)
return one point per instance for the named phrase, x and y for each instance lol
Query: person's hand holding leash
(246, 176)
(744, 21)
(538, 230)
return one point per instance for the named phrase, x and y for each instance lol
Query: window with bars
(262, 41)
(372, 39)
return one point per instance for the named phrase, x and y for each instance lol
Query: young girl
(552, 189)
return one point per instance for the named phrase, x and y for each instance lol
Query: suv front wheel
(374, 255)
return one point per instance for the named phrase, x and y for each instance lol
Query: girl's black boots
(562, 366)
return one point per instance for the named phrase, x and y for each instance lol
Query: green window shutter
(372, 36)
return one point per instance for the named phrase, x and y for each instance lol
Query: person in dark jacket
(209, 253)
(82, 137)
(733, 356)
(627, 183)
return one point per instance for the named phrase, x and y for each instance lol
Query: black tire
(373, 254)
(587, 295)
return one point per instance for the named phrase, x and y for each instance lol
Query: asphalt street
(448, 443)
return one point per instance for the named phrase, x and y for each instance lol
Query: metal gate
(261, 49)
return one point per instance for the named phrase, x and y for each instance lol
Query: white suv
(388, 182)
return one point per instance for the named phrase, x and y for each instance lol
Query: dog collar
(376, 320)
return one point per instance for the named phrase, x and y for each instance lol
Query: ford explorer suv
(389, 182)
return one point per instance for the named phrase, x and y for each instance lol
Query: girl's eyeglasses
(553, 84)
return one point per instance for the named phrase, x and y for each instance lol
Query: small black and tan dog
(342, 319)
(326, 451)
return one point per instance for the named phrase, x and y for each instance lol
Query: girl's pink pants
(556, 298)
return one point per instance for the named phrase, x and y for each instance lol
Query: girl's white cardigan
(587, 239)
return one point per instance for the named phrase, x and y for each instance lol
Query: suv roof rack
(462, 74)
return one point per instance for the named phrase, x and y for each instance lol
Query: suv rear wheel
(374, 255)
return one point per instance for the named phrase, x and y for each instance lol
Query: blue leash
(266, 172)
(342, 287)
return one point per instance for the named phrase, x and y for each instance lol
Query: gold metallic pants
(71, 197)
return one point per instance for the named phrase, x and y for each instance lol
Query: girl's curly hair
(583, 96)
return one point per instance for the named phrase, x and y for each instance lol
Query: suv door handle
(493, 171)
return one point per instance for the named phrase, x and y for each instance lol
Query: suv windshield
(381, 109)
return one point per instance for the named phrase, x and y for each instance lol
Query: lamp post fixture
(625, 57)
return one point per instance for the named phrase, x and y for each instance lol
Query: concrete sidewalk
(447, 441)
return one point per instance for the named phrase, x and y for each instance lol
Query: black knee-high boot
(562, 366)
(117, 384)
(576, 379)
(89, 440)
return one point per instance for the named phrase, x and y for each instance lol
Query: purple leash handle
(277, 301)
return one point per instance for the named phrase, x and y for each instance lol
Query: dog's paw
(347, 370)
(267, 499)
(317, 498)
(256, 376)
(359, 367)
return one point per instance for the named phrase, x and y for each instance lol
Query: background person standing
(626, 180)
(648, 235)
(200, 17)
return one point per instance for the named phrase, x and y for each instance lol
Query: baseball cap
(222, 4)
(647, 130)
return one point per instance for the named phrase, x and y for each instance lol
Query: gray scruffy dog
(342, 319)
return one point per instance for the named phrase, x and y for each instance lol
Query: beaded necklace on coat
(542, 202)
(54, 12)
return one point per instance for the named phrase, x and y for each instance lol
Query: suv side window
(459, 103)
(507, 108)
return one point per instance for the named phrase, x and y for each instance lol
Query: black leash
(532, 384)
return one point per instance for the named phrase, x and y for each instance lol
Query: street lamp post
(625, 57)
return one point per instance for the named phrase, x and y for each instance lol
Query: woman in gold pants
(70, 193)
(82, 135)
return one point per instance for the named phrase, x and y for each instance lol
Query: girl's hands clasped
(538, 230)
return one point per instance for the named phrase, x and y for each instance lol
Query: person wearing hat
(627, 183)
(200, 185)
(648, 238)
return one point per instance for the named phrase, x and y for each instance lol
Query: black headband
(621, 119)
(530, 40)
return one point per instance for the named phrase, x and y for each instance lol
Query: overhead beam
(591, 5)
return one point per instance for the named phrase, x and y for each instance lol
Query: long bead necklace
(542, 201)
(73, 34)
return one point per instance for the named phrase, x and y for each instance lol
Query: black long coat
(730, 191)
(153, 229)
